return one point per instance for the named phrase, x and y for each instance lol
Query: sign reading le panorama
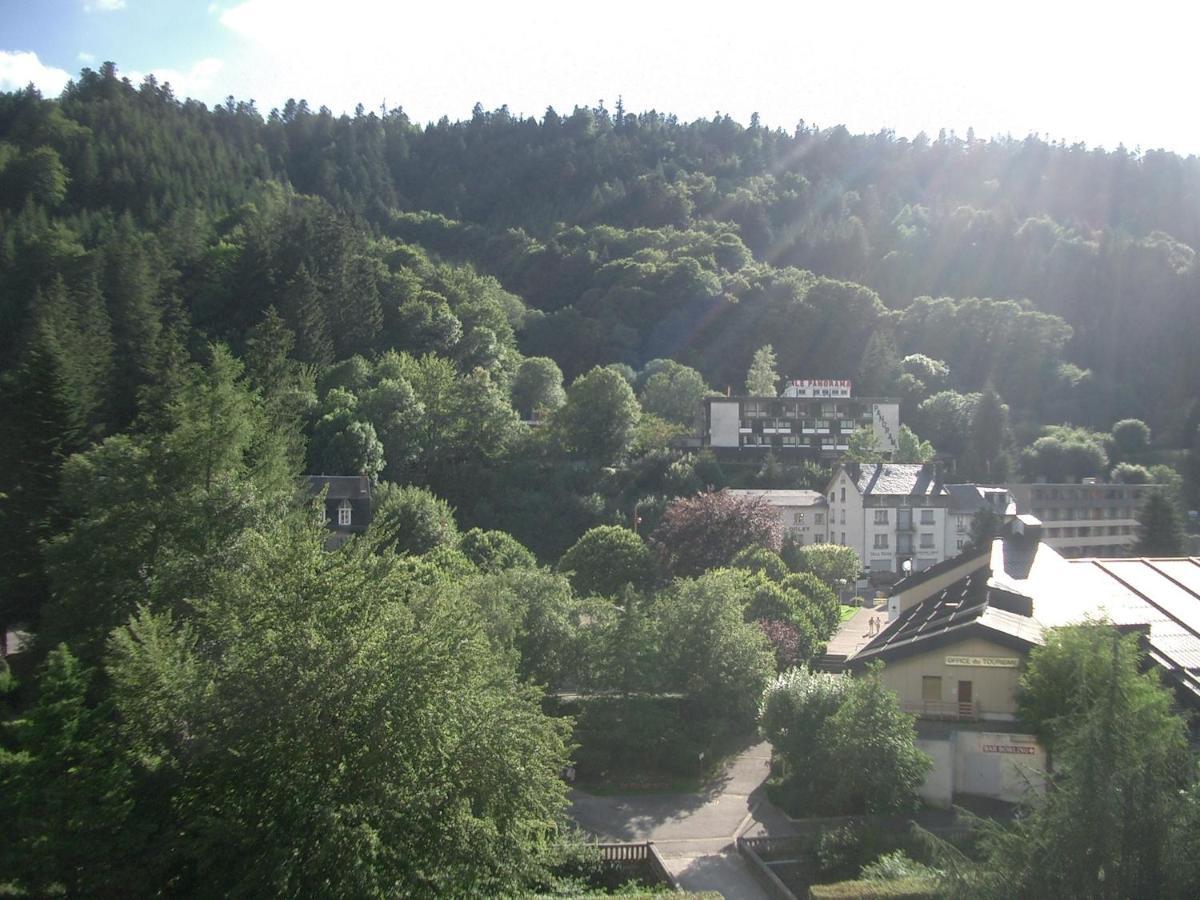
(817, 387)
(984, 662)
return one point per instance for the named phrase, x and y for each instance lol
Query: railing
(954, 710)
(645, 853)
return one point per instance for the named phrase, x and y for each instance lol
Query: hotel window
(842, 518)
(931, 687)
(798, 518)
(926, 540)
(843, 495)
(843, 539)
(344, 512)
(927, 517)
(818, 518)
(881, 542)
(881, 517)
(959, 542)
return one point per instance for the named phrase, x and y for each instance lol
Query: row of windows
(927, 517)
(849, 411)
(793, 440)
(1088, 531)
(1086, 493)
(818, 518)
(1057, 514)
(881, 542)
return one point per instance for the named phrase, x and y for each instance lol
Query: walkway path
(852, 635)
(695, 833)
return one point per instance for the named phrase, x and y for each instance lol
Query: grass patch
(846, 612)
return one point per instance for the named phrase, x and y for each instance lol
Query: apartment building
(890, 513)
(801, 513)
(817, 428)
(1086, 519)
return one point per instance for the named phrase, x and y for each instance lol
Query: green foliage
(149, 513)
(324, 719)
(831, 563)
(985, 527)
(761, 560)
(762, 379)
(68, 793)
(598, 419)
(845, 746)
(411, 519)
(1065, 453)
(606, 559)
(530, 618)
(673, 392)
(1130, 437)
(1109, 824)
(495, 551)
(720, 662)
(864, 446)
(911, 449)
(1160, 528)
(986, 457)
(537, 387)
(1130, 473)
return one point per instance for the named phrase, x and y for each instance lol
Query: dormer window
(345, 512)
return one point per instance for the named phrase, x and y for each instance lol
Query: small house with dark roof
(347, 504)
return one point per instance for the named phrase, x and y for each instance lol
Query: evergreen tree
(305, 316)
(986, 458)
(762, 378)
(40, 426)
(879, 366)
(1160, 529)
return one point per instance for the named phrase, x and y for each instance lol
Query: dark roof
(896, 479)
(341, 487)
(946, 565)
(970, 607)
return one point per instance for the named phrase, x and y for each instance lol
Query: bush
(411, 520)
(606, 559)
(495, 551)
(845, 745)
(910, 888)
(895, 866)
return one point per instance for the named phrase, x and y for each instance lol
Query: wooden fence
(644, 855)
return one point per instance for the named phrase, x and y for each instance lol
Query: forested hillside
(506, 325)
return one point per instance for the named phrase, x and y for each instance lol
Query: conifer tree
(762, 378)
(1159, 529)
(305, 315)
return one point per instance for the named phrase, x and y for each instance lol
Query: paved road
(695, 833)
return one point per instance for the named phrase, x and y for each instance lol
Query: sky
(1058, 68)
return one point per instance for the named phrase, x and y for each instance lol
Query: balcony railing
(952, 710)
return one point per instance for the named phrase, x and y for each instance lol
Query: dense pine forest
(199, 305)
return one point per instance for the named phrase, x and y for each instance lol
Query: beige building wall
(986, 665)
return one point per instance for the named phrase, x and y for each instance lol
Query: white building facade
(802, 514)
(890, 513)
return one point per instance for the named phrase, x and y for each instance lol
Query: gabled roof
(918, 578)
(341, 487)
(971, 607)
(896, 479)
